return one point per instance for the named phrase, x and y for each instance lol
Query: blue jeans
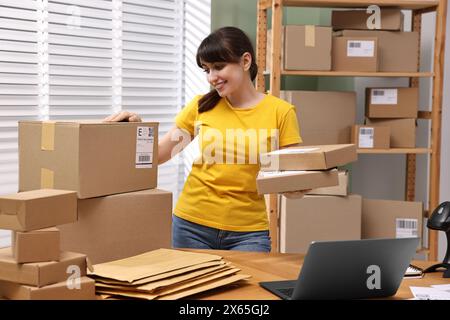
(186, 234)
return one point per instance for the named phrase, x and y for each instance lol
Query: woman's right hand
(123, 116)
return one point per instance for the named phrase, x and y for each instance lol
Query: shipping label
(144, 147)
(357, 48)
(384, 96)
(365, 139)
(406, 228)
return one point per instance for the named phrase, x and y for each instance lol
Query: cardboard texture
(122, 225)
(37, 209)
(391, 19)
(371, 137)
(318, 218)
(403, 131)
(268, 182)
(311, 106)
(391, 219)
(340, 190)
(41, 273)
(92, 158)
(36, 246)
(392, 102)
(311, 43)
(355, 53)
(57, 291)
(398, 51)
(309, 157)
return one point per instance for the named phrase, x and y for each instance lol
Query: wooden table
(284, 266)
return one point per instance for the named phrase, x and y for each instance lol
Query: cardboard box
(303, 47)
(391, 19)
(357, 54)
(41, 273)
(318, 218)
(340, 190)
(93, 158)
(391, 219)
(119, 226)
(57, 291)
(36, 246)
(398, 51)
(284, 181)
(403, 131)
(371, 137)
(37, 209)
(309, 157)
(311, 106)
(392, 102)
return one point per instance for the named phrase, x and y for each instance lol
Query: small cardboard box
(82, 290)
(92, 158)
(392, 102)
(37, 209)
(36, 246)
(391, 219)
(318, 218)
(309, 157)
(371, 137)
(339, 190)
(269, 182)
(311, 106)
(311, 43)
(356, 54)
(403, 131)
(40, 273)
(118, 226)
(391, 19)
(398, 51)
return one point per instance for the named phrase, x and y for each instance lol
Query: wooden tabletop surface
(285, 266)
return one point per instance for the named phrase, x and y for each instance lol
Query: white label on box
(365, 139)
(406, 228)
(383, 96)
(357, 48)
(293, 151)
(144, 147)
(266, 174)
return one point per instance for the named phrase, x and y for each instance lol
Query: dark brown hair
(226, 44)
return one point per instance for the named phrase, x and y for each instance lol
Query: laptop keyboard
(287, 291)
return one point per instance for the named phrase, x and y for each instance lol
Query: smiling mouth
(219, 85)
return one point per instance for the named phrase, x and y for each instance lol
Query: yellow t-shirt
(220, 192)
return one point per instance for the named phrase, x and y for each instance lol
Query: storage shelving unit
(418, 7)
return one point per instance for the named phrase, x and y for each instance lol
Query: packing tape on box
(310, 36)
(48, 136)
(47, 178)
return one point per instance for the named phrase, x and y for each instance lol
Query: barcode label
(144, 147)
(405, 228)
(384, 96)
(360, 48)
(365, 139)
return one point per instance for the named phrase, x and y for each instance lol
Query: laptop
(355, 269)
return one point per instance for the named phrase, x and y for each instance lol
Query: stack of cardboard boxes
(112, 167)
(35, 268)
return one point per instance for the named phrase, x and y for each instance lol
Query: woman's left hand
(296, 194)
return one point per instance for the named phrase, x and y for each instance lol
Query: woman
(219, 207)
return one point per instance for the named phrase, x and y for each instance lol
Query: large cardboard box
(84, 290)
(303, 47)
(37, 209)
(398, 51)
(36, 246)
(357, 54)
(392, 102)
(41, 273)
(308, 158)
(391, 219)
(318, 218)
(391, 19)
(325, 117)
(92, 158)
(269, 182)
(340, 190)
(119, 226)
(403, 131)
(371, 137)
